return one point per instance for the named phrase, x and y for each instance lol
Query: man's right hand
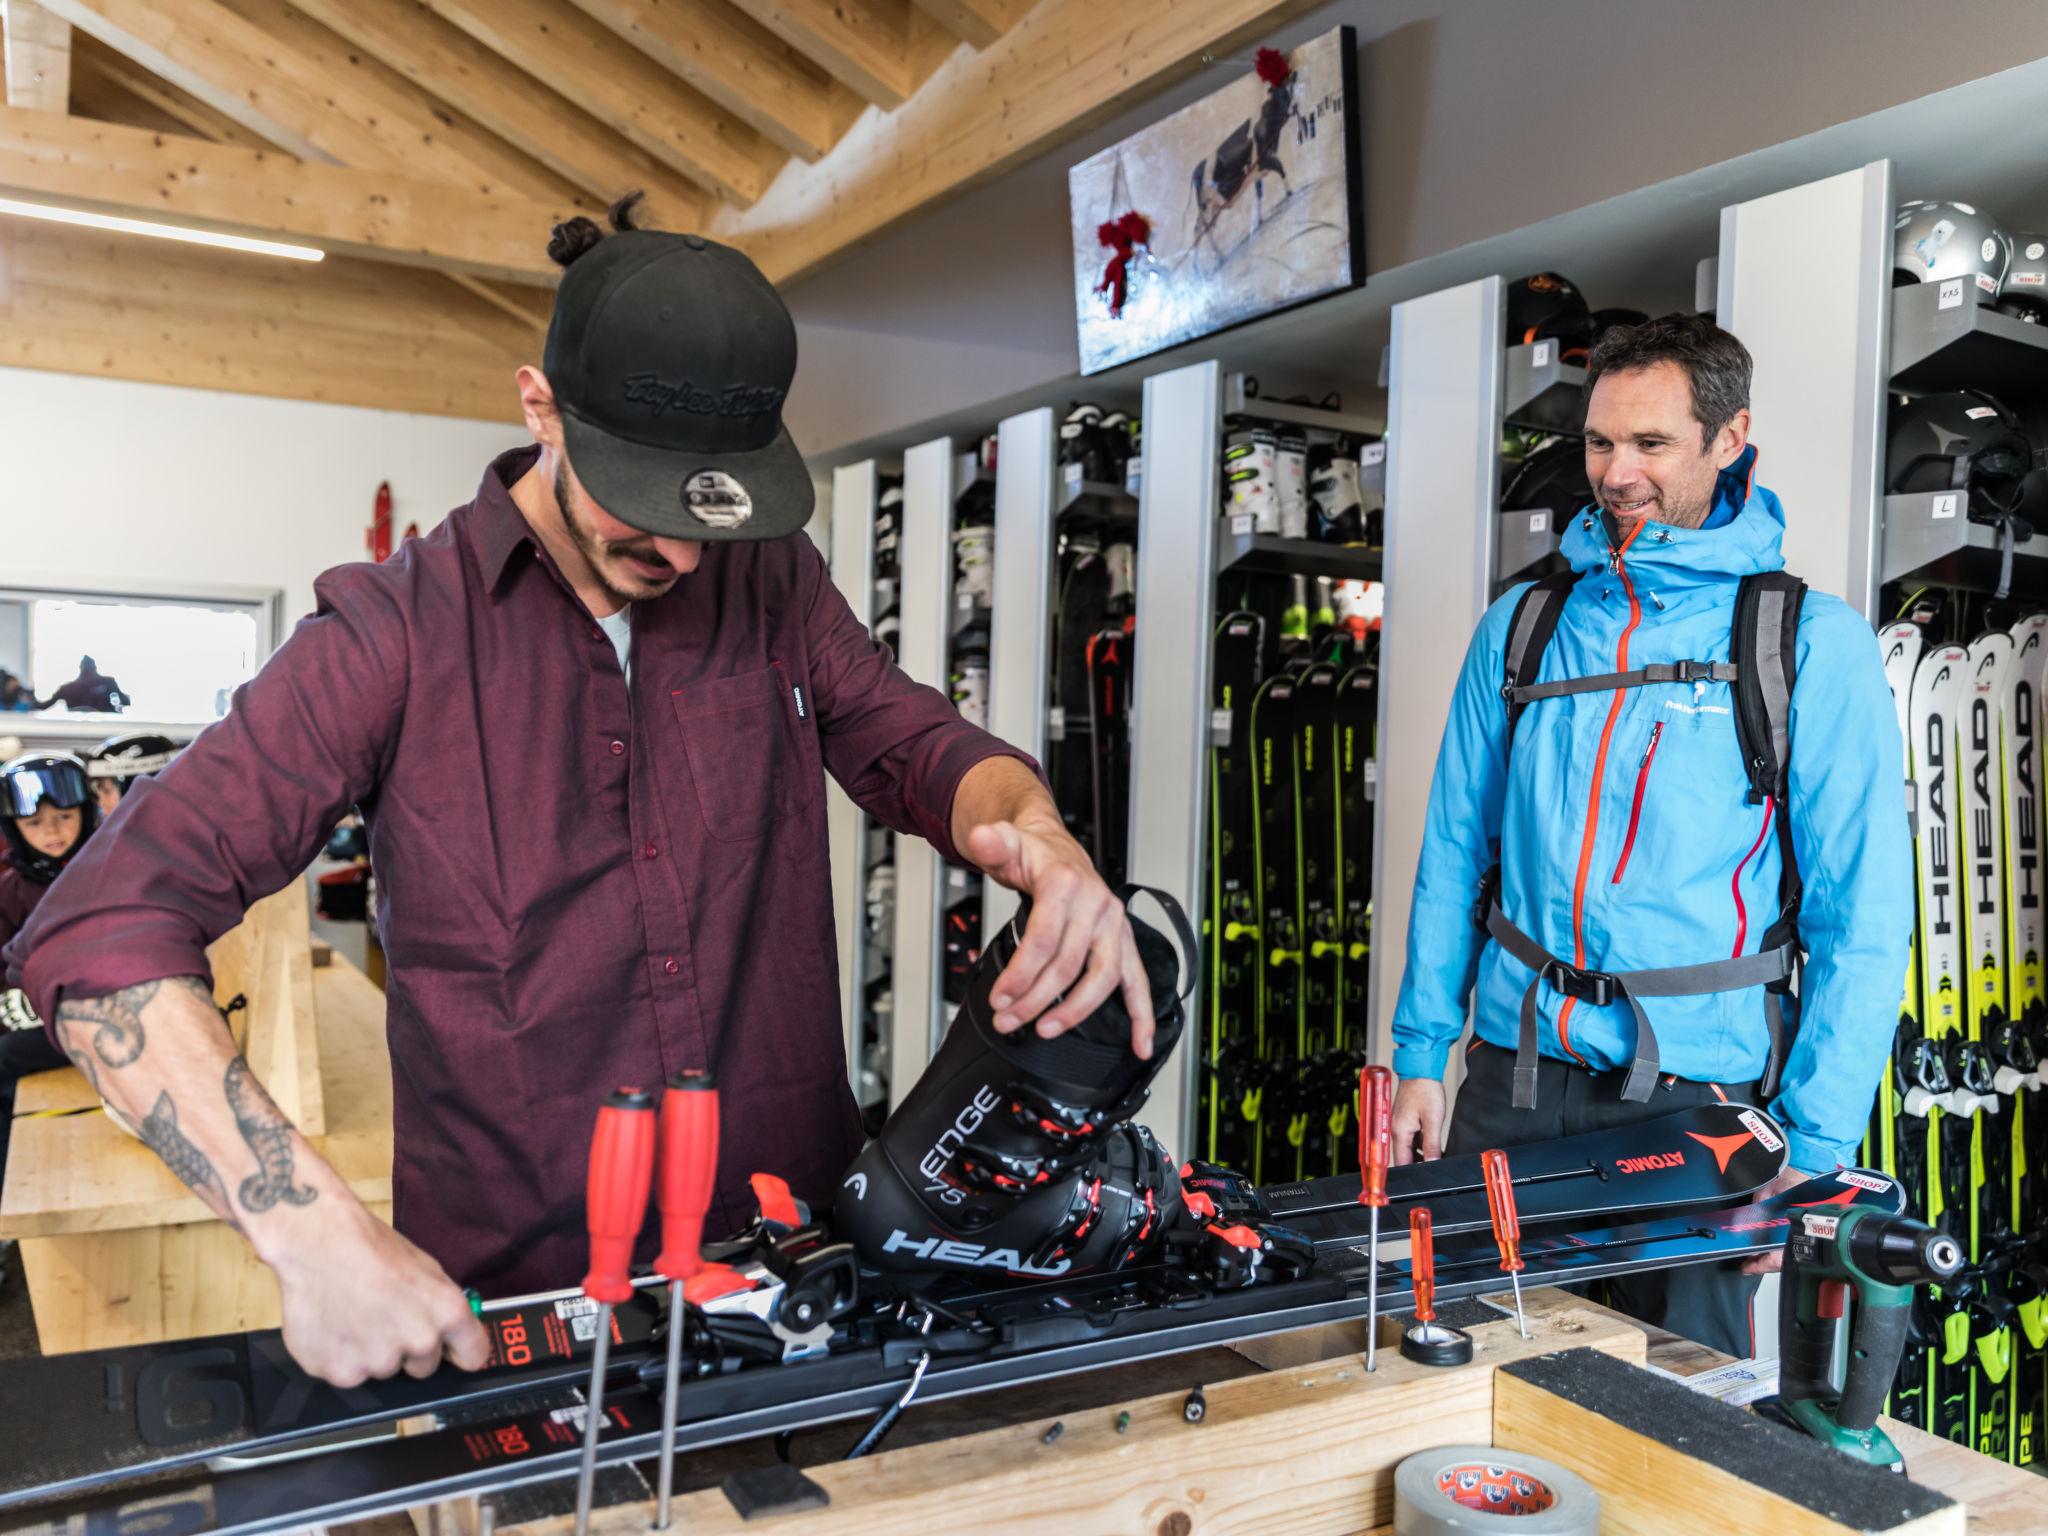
(1418, 1117)
(364, 1302)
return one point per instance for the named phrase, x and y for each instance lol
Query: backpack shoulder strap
(1529, 633)
(1764, 648)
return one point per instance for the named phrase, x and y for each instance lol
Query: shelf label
(1539, 355)
(1056, 723)
(1951, 294)
(1371, 454)
(1944, 505)
(1071, 473)
(1219, 727)
(1240, 524)
(1539, 522)
(966, 601)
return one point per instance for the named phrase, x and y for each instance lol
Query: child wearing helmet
(119, 761)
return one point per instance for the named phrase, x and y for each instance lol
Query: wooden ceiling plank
(453, 66)
(381, 215)
(739, 64)
(983, 113)
(38, 45)
(866, 44)
(977, 22)
(506, 300)
(623, 88)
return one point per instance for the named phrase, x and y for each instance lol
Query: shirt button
(596, 633)
(649, 850)
(670, 966)
(618, 748)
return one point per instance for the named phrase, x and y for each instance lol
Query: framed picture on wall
(1236, 206)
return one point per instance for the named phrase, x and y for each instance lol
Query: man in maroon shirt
(588, 720)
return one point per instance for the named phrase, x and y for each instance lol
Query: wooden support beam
(38, 57)
(452, 66)
(624, 88)
(739, 64)
(92, 57)
(978, 22)
(376, 214)
(983, 113)
(867, 44)
(515, 303)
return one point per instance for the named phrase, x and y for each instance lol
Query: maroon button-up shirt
(580, 885)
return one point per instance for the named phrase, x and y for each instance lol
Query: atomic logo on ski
(1725, 1147)
(1657, 1160)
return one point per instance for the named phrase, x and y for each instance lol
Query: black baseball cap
(670, 357)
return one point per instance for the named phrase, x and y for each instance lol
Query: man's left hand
(1770, 1263)
(1077, 946)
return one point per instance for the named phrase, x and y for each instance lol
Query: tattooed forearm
(269, 1136)
(116, 1019)
(161, 1135)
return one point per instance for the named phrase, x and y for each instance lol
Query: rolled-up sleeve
(898, 747)
(237, 815)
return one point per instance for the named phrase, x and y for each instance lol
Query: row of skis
(1288, 909)
(1956, 1120)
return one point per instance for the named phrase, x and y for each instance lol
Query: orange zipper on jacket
(1635, 617)
(1635, 810)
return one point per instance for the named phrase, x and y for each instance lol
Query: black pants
(23, 1052)
(1708, 1302)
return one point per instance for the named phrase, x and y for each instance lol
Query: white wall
(106, 480)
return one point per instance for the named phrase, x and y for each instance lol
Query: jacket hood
(1663, 556)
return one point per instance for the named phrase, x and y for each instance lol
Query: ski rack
(1042, 1331)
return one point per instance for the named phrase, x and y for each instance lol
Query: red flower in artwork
(1123, 235)
(1272, 66)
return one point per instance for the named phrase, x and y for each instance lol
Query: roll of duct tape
(1457, 1490)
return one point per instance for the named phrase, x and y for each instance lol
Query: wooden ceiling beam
(376, 214)
(867, 44)
(983, 113)
(38, 45)
(977, 22)
(622, 87)
(451, 65)
(739, 64)
(188, 112)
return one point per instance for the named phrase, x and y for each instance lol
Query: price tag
(1945, 505)
(1240, 523)
(1951, 294)
(1539, 355)
(1219, 727)
(1371, 454)
(1056, 723)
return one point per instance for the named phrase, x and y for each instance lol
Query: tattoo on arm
(161, 1135)
(116, 1019)
(269, 1135)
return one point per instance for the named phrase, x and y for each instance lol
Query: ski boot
(1290, 462)
(1014, 1154)
(1085, 442)
(1251, 477)
(1334, 492)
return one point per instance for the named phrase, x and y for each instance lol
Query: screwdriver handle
(1500, 1205)
(1422, 1263)
(1375, 1132)
(621, 1172)
(688, 1167)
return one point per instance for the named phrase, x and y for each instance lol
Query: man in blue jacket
(1626, 838)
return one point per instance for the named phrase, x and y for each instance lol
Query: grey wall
(1481, 116)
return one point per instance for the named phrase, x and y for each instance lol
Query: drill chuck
(1900, 1251)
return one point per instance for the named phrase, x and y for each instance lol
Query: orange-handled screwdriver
(1507, 1231)
(1375, 1151)
(621, 1172)
(1422, 1264)
(689, 1165)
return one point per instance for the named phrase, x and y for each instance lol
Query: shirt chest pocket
(752, 749)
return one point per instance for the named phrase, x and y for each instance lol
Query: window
(168, 658)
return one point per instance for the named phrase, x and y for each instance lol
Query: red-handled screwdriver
(1375, 1151)
(689, 1163)
(621, 1171)
(1507, 1231)
(1422, 1264)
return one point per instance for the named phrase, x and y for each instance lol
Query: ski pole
(1507, 1231)
(689, 1162)
(621, 1169)
(1375, 1151)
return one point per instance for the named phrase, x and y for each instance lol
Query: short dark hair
(1717, 365)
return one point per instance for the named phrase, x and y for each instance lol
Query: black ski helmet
(1544, 305)
(35, 779)
(1962, 440)
(128, 757)
(1554, 476)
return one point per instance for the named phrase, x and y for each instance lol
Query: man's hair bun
(572, 237)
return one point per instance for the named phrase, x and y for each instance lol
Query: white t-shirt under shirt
(618, 628)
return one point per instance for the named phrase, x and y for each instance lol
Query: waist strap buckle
(1595, 987)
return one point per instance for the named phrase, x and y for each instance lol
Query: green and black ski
(1235, 959)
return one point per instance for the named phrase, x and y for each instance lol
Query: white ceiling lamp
(160, 231)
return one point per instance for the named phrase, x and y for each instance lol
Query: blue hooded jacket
(1623, 822)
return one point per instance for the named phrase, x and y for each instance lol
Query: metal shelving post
(930, 484)
(854, 490)
(1446, 398)
(1177, 510)
(1804, 279)
(1020, 625)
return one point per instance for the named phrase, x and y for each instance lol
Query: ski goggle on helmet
(52, 778)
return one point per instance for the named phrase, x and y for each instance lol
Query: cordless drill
(1881, 1257)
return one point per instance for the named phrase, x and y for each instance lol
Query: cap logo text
(735, 400)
